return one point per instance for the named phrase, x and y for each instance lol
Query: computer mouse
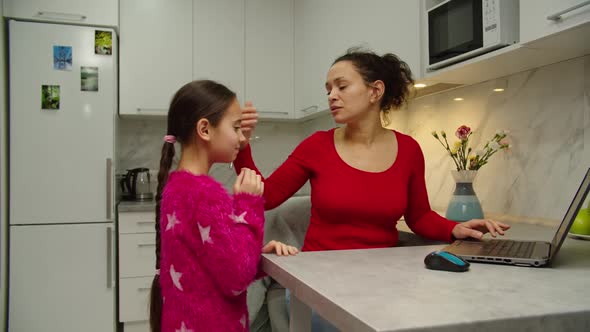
(445, 261)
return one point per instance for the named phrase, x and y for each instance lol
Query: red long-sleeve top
(351, 208)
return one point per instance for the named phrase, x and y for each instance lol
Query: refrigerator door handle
(109, 257)
(109, 189)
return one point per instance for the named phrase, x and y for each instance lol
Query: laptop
(522, 253)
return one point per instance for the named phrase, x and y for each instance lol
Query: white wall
(3, 175)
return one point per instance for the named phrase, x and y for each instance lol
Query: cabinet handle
(144, 289)
(151, 110)
(274, 112)
(312, 107)
(557, 16)
(109, 189)
(143, 245)
(109, 257)
(145, 222)
(61, 16)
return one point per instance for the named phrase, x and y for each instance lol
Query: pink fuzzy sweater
(210, 251)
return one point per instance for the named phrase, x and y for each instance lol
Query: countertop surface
(131, 206)
(391, 290)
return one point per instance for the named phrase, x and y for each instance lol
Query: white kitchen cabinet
(156, 45)
(61, 278)
(324, 30)
(269, 57)
(87, 12)
(218, 43)
(137, 260)
(534, 23)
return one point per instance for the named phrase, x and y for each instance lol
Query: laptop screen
(570, 215)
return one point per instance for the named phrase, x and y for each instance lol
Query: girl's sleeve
(228, 239)
(288, 178)
(419, 216)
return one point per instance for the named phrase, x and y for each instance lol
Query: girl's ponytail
(156, 301)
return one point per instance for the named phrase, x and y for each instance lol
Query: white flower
(494, 145)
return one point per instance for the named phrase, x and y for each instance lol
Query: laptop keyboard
(507, 248)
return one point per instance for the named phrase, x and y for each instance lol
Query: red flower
(463, 132)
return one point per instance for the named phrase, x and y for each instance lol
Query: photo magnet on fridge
(62, 57)
(88, 78)
(103, 42)
(50, 97)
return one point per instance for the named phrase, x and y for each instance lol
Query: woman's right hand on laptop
(476, 228)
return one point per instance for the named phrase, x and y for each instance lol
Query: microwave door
(454, 28)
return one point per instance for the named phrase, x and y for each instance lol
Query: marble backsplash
(139, 144)
(547, 114)
(546, 111)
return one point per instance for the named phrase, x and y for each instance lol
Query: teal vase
(464, 204)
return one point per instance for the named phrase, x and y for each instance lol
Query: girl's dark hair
(395, 74)
(194, 101)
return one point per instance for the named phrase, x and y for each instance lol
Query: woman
(363, 177)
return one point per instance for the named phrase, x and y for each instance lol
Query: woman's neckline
(389, 168)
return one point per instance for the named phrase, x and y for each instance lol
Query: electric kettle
(136, 185)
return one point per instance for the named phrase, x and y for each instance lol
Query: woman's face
(348, 94)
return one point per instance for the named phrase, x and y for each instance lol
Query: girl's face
(348, 94)
(227, 135)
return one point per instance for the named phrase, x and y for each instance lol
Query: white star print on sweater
(172, 221)
(183, 328)
(175, 277)
(239, 219)
(205, 234)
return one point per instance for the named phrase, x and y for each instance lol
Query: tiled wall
(546, 111)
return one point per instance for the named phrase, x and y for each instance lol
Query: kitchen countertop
(390, 290)
(131, 206)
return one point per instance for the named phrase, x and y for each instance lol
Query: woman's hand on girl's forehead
(249, 119)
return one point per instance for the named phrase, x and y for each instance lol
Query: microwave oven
(462, 29)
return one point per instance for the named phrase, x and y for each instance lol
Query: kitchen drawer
(134, 299)
(137, 222)
(137, 255)
(137, 327)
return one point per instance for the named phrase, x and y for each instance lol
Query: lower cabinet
(137, 243)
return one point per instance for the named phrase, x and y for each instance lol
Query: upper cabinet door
(218, 50)
(269, 57)
(325, 29)
(88, 12)
(534, 23)
(156, 45)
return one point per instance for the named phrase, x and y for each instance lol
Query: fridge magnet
(89, 78)
(50, 97)
(103, 42)
(62, 57)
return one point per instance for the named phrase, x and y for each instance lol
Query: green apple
(581, 224)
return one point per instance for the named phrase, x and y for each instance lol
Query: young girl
(208, 243)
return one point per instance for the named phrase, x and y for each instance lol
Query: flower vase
(464, 204)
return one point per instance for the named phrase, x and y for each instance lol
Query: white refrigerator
(62, 108)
